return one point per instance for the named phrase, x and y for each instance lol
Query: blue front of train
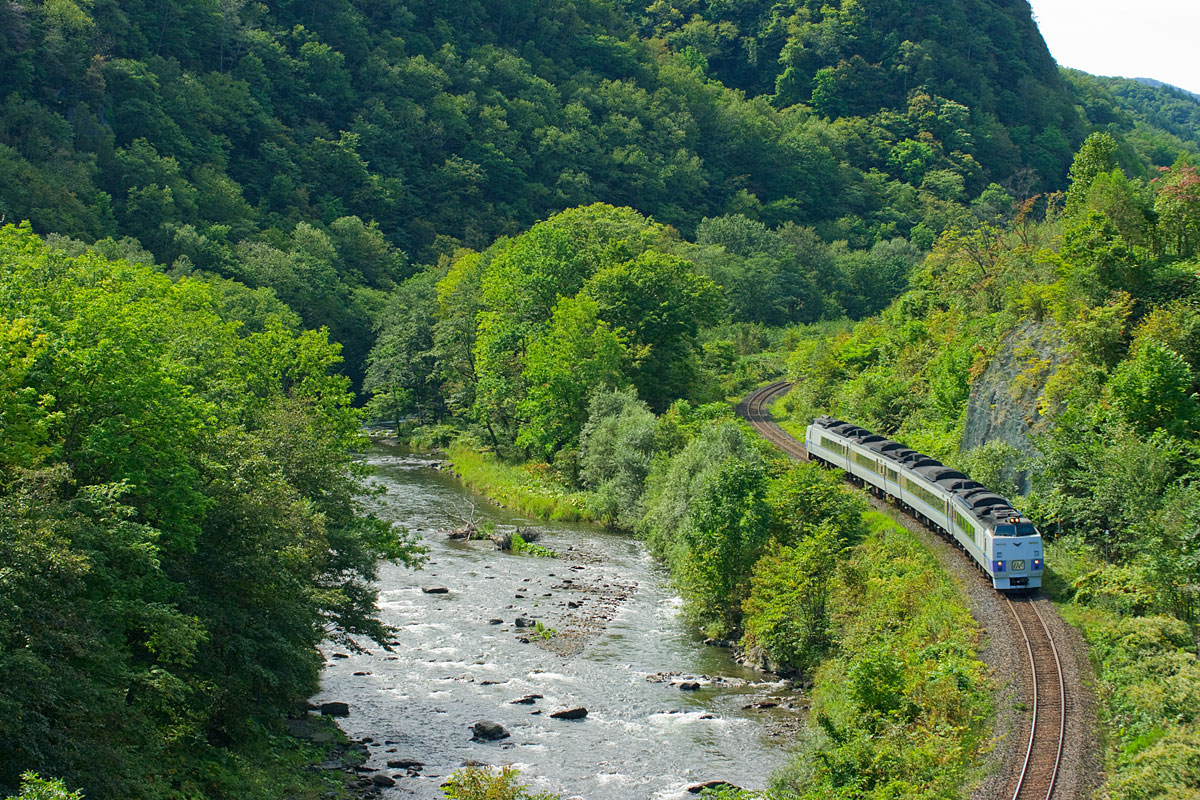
(1016, 557)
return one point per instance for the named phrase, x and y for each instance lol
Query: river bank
(664, 711)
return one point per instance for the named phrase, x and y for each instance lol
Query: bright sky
(1130, 38)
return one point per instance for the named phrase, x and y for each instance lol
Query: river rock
(527, 700)
(405, 763)
(335, 709)
(435, 590)
(381, 780)
(494, 621)
(522, 622)
(570, 713)
(486, 731)
(700, 787)
(689, 686)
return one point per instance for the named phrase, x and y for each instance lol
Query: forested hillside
(1155, 122)
(1062, 355)
(323, 150)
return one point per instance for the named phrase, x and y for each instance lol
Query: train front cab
(1016, 560)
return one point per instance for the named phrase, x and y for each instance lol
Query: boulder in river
(435, 590)
(381, 780)
(521, 622)
(486, 731)
(570, 713)
(527, 700)
(335, 709)
(404, 763)
(689, 686)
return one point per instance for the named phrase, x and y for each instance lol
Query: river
(622, 652)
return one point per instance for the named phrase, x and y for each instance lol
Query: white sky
(1130, 38)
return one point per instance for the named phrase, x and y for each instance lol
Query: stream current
(621, 648)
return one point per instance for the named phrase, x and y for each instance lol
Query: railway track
(1047, 727)
(1043, 752)
(754, 410)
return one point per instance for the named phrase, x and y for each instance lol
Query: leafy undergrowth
(488, 783)
(901, 708)
(527, 488)
(1148, 676)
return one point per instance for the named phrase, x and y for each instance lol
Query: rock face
(1003, 405)
(570, 713)
(335, 709)
(485, 731)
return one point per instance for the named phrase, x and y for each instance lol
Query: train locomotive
(1003, 542)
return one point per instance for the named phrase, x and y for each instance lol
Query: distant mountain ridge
(1162, 85)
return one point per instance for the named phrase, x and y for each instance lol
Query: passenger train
(1002, 541)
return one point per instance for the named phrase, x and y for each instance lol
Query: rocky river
(664, 711)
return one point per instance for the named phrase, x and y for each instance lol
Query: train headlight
(1037, 563)
(997, 566)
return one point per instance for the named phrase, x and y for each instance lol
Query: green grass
(527, 488)
(1147, 673)
(903, 706)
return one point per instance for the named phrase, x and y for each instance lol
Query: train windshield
(1021, 529)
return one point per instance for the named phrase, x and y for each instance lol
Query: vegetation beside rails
(901, 708)
(1147, 672)
(528, 488)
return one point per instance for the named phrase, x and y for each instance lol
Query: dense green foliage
(1082, 327)
(486, 783)
(33, 787)
(178, 527)
(324, 151)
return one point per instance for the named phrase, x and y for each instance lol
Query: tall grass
(528, 488)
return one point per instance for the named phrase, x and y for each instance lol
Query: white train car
(1004, 543)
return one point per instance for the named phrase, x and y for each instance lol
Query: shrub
(487, 783)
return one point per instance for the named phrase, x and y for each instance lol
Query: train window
(829, 444)
(964, 524)
(1026, 529)
(928, 497)
(1006, 530)
(866, 461)
(892, 475)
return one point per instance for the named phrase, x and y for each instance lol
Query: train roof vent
(964, 487)
(920, 461)
(987, 500)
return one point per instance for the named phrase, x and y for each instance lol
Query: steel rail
(1022, 789)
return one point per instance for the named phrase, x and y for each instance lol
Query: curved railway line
(1047, 725)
